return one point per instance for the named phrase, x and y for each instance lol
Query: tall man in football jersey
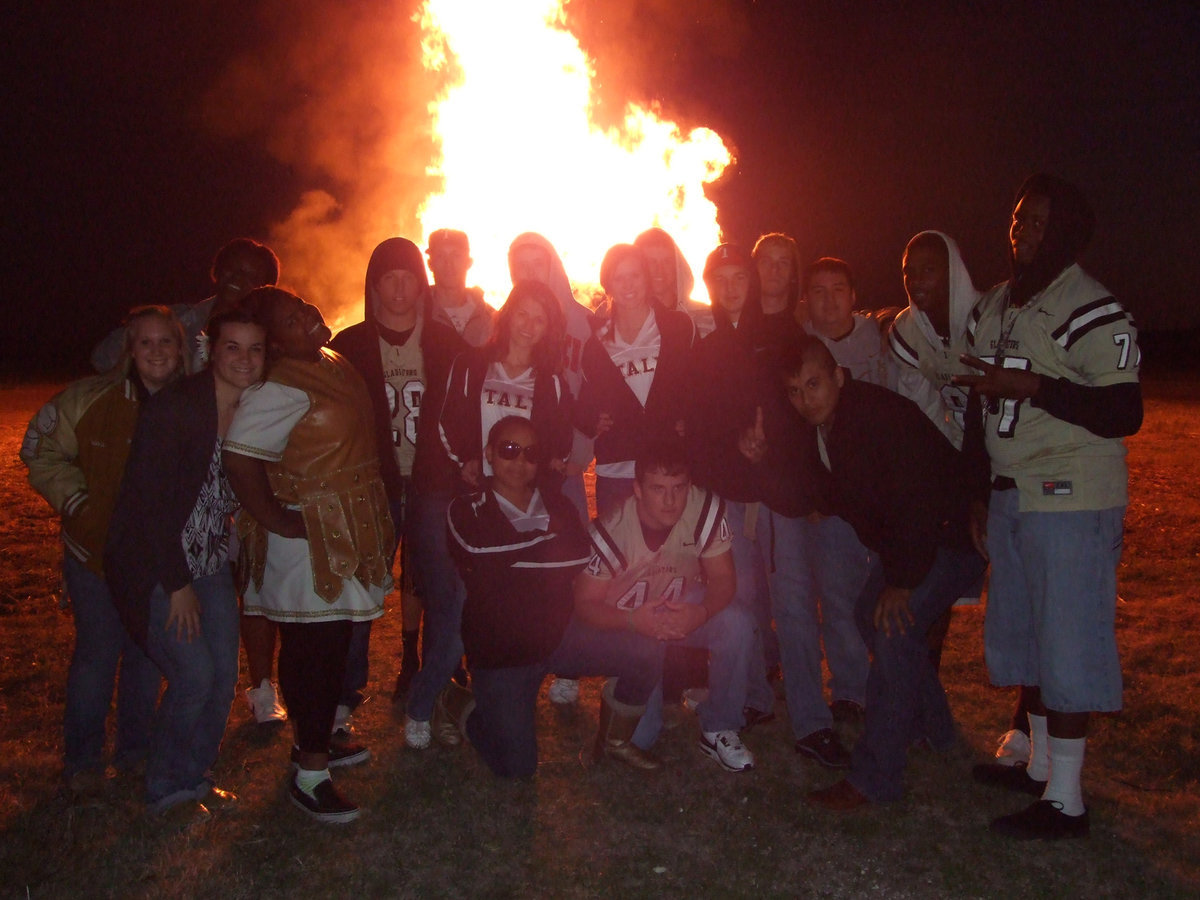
(662, 566)
(1059, 360)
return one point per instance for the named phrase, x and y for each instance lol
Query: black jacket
(172, 450)
(605, 391)
(519, 596)
(895, 478)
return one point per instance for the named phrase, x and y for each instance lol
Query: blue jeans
(751, 562)
(443, 593)
(201, 679)
(101, 643)
(905, 699)
(731, 638)
(818, 563)
(503, 725)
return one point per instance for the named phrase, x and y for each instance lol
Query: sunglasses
(510, 450)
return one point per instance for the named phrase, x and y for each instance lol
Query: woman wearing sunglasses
(518, 550)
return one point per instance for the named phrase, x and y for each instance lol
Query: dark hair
(826, 264)
(664, 453)
(494, 432)
(260, 253)
(260, 303)
(930, 240)
(654, 237)
(237, 315)
(616, 255)
(801, 350)
(778, 238)
(548, 354)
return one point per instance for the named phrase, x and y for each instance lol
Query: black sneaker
(846, 711)
(1043, 820)
(339, 755)
(1011, 778)
(325, 804)
(825, 748)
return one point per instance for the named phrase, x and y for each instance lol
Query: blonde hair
(137, 314)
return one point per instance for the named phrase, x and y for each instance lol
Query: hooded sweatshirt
(701, 314)
(925, 362)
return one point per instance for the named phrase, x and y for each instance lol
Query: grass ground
(437, 824)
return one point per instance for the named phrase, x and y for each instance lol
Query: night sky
(136, 145)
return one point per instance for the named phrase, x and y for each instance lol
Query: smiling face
(155, 349)
(627, 285)
(1028, 228)
(661, 266)
(239, 274)
(529, 324)
(238, 354)
(831, 303)
(296, 329)
(926, 271)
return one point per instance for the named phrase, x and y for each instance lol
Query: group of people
(779, 479)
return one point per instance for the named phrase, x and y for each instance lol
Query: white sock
(1066, 765)
(1039, 756)
(308, 779)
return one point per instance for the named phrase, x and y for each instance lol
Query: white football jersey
(640, 575)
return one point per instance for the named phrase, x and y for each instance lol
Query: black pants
(312, 663)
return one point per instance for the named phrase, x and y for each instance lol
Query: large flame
(519, 151)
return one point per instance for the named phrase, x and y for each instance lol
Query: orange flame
(519, 151)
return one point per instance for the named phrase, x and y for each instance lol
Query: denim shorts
(1052, 603)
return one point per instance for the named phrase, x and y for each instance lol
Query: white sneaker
(342, 728)
(1014, 748)
(264, 703)
(727, 749)
(564, 691)
(417, 735)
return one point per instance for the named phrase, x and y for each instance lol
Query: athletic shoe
(1014, 748)
(340, 755)
(727, 749)
(1043, 820)
(324, 804)
(264, 703)
(846, 711)
(564, 691)
(1011, 778)
(417, 735)
(825, 747)
(752, 717)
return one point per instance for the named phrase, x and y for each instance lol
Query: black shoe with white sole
(324, 804)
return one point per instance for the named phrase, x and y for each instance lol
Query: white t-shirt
(503, 396)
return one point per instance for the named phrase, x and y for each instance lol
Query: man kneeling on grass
(518, 550)
(888, 471)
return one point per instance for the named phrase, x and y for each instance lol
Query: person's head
(926, 269)
(1051, 226)
(154, 346)
(449, 255)
(732, 281)
(396, 284)
(778, 260)
(829, 292)
(624, 276)
(812, 378)
(529, 260)
(514, 454)
(241, 266)
(660, 252)
(237, 348)
(661, 482)
(532, 321)
(294, 329)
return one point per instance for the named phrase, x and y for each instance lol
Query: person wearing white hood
(928, 336)
(671, 279)
(532, 257)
